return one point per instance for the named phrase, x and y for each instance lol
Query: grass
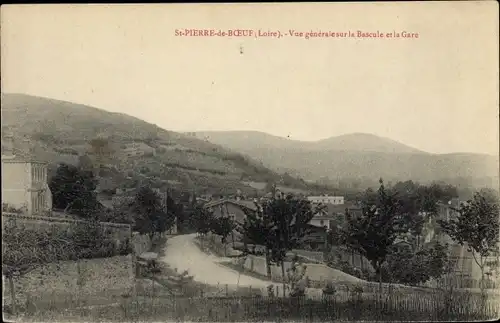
(258, 308)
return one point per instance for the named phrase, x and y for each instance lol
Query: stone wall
(83, 279)
(315, 272)
(314, 255)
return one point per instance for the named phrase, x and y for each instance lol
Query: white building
(24, 185)
(321, 221)
(326, 199)
(24, 181)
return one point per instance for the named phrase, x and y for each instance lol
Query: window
(321, 222)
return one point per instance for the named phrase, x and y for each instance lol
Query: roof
(246, 204)
(106, 203)
(324, 197)
(334, 209)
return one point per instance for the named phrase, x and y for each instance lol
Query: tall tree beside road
(476, 227)
(257, 229)
(222, 226)
(201, 220)
(279, 224)
(150, 215)
(374, 232)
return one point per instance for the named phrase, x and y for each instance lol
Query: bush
(270, 291)
(329, 289)
(81, 241)
(8, 208)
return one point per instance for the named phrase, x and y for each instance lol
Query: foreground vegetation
(352, 307)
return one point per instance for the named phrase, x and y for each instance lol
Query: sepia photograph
(250, 162)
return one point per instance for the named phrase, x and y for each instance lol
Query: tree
(476, 227)
(279, 224)
(150, 216)
(101, 149)
(417, 204)
(121, 212)
(258, 229)
(406, 266)
(74, 189)
(222, 226)
(297, 279)
(376, 229)
(202, 220)
(270, 188)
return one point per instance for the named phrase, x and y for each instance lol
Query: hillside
(61, 132)
(356, 157)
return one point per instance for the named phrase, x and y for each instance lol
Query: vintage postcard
(250, 162)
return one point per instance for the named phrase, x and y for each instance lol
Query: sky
(437, 92)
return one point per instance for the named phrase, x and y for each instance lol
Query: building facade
(326, 199)
(24, 185)
(322, 221)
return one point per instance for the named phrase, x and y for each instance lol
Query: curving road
(182, 253)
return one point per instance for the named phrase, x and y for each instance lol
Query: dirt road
(182, 253)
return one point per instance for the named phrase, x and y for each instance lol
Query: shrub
(270, 290)
(8, 208)
(329, 289)
(28, 247)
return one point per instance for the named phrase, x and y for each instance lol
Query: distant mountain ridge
(348, 142)
(355, 156)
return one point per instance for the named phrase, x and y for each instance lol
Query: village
(250, 163)
(219, 242)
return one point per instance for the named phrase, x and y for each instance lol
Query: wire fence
(341, 306)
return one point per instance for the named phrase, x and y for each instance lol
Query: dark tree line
(74, 190)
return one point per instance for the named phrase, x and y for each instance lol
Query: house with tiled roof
(232, 208)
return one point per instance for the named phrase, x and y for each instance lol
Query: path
(182, 253)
